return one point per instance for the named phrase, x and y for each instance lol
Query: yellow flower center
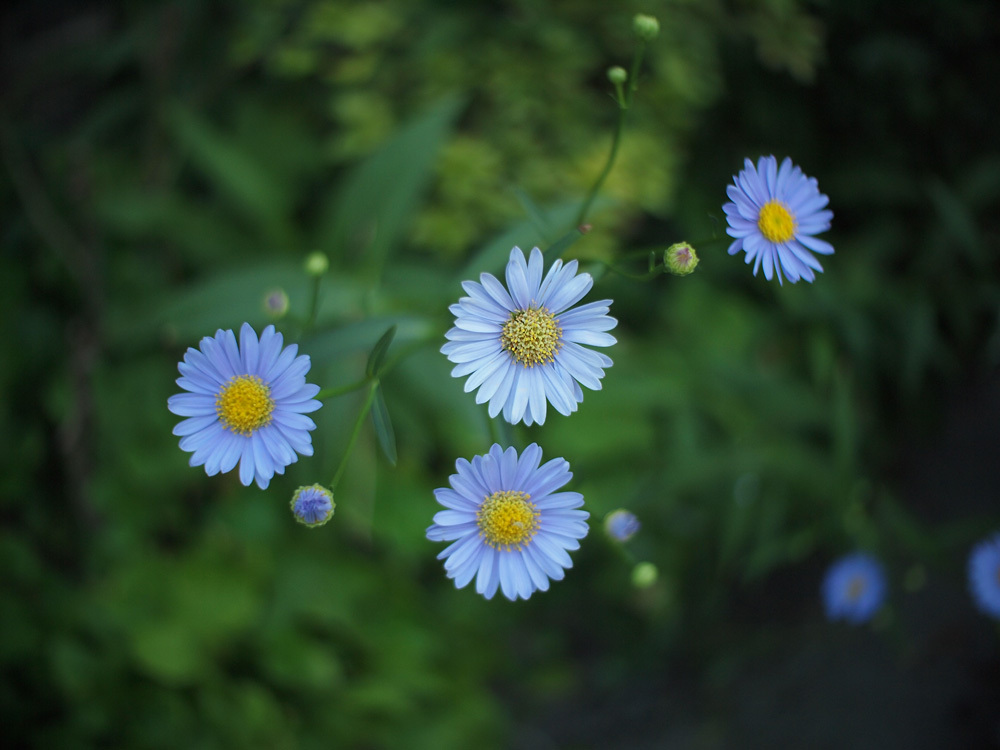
(531, 336)
(507, 519)
(244, 404)
(776, 222)
(856, 588)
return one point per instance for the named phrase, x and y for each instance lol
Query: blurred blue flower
(774, 214)
(522, 348)
(621, 524)
(984, 575)
(313, 505)
(854, 588)
(246, 404)
(509, 527)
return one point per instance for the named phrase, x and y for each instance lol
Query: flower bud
(276, 304)
(617, 75)
(621, 525)
(646, 27)
(644, 575)
(312, 505)
(317, 264)
(680, 259)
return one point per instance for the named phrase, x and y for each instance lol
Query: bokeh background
(166, 165)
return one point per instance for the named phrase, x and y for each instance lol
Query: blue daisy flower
(984, 575)
(854, 588)
(246, 404)
(508, 526)
(521, 345)
(775, 213)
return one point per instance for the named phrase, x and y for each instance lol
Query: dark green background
(167, 164)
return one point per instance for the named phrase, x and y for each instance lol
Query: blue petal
(249, 349)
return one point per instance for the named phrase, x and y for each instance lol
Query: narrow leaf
(377, 357)
(383, 427)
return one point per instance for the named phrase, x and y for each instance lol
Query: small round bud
(317, 263)
(276, 304)
(644, 575)
(617, 75)
(680, 259)
(645, 27)
(312, 505)
(621, 525)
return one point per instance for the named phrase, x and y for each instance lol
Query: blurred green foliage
(170, 164)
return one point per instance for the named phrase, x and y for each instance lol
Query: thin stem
(624, 104)
(341, 390)
(355, 432)
(313, 304)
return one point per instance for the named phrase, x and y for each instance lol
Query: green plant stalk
(355, 432)
(313, 305)
(624, 104)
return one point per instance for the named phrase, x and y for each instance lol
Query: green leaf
(558, 247)
(493, 256)
(377, 357)
(383, 427)
(240, 178)
(535, 214)
(373, 207)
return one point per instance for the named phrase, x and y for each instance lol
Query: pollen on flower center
(776, 222)
(244, 404)
(856, 588)
(507, 519)
(531, 336)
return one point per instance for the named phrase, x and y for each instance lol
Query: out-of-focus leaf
(352, 338)
(493, 255)
(235, 173)
(377, 357)
(383, 426)
(534, 212)
(372, 208)
(959, 223)
(558, 247)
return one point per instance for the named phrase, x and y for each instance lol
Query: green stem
(313, 305)
(326, 393)
(624, 104)
(355, 432)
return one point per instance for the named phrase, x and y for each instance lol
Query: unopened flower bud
(644, 575)
(646, 27)
(617, 75)
(276, 304)
(317, 264)
(312, 505)
(621, 525)
(680, 259)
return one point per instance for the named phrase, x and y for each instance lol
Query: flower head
(508, 526)
(774, 215)
(521, 345)
(312, 505)
(621, 524)
(984, 575)
(680, 259)
(276, 304)
(246, 403)
(854, 588)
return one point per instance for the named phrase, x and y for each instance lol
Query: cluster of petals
(786, 191)
(265, 449)
(519, 390)
(516, 570)
(854, 588)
